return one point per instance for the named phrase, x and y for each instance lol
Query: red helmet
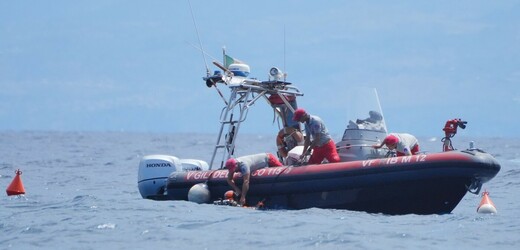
(231, 164)
(298, 114)
(391, 139)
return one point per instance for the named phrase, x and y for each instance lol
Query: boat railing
(242, 97)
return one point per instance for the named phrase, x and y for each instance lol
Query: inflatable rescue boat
(366, 179)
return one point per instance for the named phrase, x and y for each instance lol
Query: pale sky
(114, 65)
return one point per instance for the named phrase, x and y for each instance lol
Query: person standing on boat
(246, 165)
(322, 145)
(404, 144)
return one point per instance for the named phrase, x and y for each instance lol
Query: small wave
(107, 226)
(512, 173)
(6, 166)
(515, 160)
(192, 225)
(32, 230)
(80, 198)
(84, 201)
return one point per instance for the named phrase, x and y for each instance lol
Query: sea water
(81, 193)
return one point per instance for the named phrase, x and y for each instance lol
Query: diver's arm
(306, 145)
(232, 183)
(245, 188)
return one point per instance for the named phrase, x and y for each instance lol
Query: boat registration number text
(395, 160)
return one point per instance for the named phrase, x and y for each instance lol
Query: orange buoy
(486, 205)
(16, 186)
(229, 195)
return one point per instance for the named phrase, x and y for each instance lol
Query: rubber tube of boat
(199, 193)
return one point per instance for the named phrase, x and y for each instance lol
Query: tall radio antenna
(198, 37)
(284, 72)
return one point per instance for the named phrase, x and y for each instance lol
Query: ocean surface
(81, 193)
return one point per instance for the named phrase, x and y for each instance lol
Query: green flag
(230, 60)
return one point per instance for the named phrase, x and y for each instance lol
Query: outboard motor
(155, 169)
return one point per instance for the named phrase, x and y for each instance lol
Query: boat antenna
(199, 49)
(284, 72)
(198, 37)
(380, 109)
(224, 55)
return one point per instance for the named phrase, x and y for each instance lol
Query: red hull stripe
(402, 161)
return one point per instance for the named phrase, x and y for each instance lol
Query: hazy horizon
(131, 66)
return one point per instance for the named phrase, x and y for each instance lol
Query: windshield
(364, 110)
